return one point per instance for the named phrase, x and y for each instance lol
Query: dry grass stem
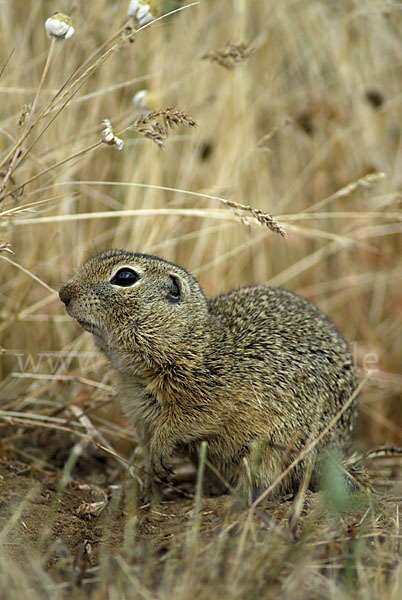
(348, 189)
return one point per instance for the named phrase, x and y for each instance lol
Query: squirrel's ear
(175, 290)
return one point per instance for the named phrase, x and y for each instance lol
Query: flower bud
(109, 137)
(59, 26)
(144, 101)
(142, 12)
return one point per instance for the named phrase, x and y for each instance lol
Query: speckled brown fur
(258, 367)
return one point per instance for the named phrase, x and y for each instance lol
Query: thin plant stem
(78, 70)
(58, 164)
(30, 123)
(42, 81)
(195, 525)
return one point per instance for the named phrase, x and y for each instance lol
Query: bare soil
(40, 511)
(85, 514)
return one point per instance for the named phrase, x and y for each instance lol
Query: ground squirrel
(254, 372)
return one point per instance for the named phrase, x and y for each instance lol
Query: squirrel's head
(143, 311)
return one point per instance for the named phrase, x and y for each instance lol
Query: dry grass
(302, 137)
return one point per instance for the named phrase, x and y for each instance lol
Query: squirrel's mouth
(90, 327)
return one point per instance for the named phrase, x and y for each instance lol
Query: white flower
(132, 8)
(109, 137)
(59, 26)
(144, 15)
(141, 12)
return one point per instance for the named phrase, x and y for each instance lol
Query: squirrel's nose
(65, 294)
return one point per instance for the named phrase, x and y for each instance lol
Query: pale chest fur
(139, 404)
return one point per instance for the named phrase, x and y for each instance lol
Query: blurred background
(299, 118)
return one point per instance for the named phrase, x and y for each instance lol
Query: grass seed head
(229, 56)
(157, 124)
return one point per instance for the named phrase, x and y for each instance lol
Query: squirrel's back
(294, 355)
(281, 330)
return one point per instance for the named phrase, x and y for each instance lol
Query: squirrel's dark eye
(125, 277)
(174, 293)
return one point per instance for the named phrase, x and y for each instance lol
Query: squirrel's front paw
(159, 465)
